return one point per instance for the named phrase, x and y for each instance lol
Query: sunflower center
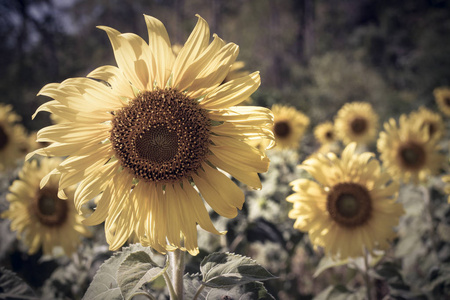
(349, 204)
(282, 129)
(329, 135)
(358, 125)
(49, 209)
(3, 138)
(161, 136)
(412, 156)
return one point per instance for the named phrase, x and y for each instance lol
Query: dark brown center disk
(358, 125)
(412, 156)
(447, 101)
(4, 139)
(161, 136)
(49, 209)
(329, 135)
(349, 204)
(282, 129)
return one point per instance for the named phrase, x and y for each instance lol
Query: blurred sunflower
(326, 136)
(289, 126)
(429, 119)
(13, 139)
(442, 97)
(155, 134)
(356, 122)
(407, 151)
(38, 215)
(446, 179)
(349, 207)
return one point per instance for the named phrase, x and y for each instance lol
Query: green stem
(172, 293)
(177, 262)
(427, 199)
(367, 277)
(151, 297)
(199, 290)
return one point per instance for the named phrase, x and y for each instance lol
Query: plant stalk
(367, 277)
(177, 262)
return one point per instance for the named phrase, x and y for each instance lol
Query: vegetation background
(313, 55)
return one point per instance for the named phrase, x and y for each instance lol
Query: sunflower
(13, 140)
(155, 134)
(289, 126)
(38, 215)
(356, 122)
(442, 97)
(446, 179)
(407, 151)
(429, 119)
(349, 207)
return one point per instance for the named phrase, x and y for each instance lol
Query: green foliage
(12, 287)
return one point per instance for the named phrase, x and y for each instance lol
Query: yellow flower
(407, 151)
(289, 126)
(350, 206)
(446, 179)
(38, 215)
(13, 140)
(356, 122)
(158, 134)
(442, 97)
(429, 119)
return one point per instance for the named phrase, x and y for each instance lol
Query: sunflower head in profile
(356, 122)
(13, 139)
(407, 150)
(349, 206)
(442, 97)
(38, 215)
(432, 121)
(289, 126)
(154, 133)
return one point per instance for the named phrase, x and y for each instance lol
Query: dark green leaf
(104, 285)
(191, 285)
(249, 291)
(137, 269)
(12, 287)
(340, 292)
(225, 269)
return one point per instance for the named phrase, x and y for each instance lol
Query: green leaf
(249, 291)
(191, 285)
(340, 292)
(104, 285)
(226, 269)
(136, 270)
(12, 287)
(327, 262)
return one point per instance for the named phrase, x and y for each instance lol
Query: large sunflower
(155, 133)
(429, 119)
(289, 126)
(442, 97)
(350, 206)
(38, 215)
(13, 140)
(407, 151)
(356, 122)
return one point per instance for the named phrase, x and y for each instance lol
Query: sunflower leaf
(12, 287)
(105, 284)
(221, 270)
(136, 270)
(249, 291)
(192, 284)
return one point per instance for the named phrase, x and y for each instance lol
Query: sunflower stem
(173, 295)
(367, 277)
(177, 262)
(427, 199)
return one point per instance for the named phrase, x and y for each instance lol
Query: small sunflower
(446, 179)
(442, 97)
(407, 151)
(289, 126)
(356, 122)
(38, 215)
(153, 134)
(13, 140)
(429, 119)
(349, 207)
